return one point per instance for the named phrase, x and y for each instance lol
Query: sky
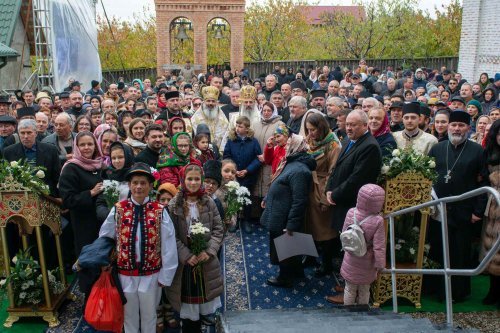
(125, 9)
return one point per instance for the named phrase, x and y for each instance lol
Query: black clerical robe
(467, 172)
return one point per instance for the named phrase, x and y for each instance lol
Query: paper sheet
(298, 244)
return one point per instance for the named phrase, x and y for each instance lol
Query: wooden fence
(260, 68)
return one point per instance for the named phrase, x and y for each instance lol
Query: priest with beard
(248, 106)
(211, 115)
(461, 167)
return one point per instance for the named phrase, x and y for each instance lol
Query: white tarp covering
(74, 34)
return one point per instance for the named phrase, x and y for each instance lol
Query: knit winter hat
(212, 169)
(168, 187)
(370, 199)
(477, 105)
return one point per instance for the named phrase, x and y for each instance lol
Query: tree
(127, 44)
(275, 30)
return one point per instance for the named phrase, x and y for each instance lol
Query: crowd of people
(308, 144)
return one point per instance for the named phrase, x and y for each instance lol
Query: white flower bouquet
(26, 280)
(111, 192)
(236, 198)
(404, 160)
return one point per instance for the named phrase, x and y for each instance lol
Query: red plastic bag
(104, 309)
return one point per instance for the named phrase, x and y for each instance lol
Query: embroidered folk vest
(129, 218)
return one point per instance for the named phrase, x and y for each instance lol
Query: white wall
(480, 39)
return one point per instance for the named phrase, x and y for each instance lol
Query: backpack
(353, 238)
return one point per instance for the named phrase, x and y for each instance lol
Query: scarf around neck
(87, 164)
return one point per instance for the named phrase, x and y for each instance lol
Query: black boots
(493, 296)
(189, 326)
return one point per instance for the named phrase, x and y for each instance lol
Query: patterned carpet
(247, 268)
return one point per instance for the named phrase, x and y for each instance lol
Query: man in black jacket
(359, 163)
(154, 138)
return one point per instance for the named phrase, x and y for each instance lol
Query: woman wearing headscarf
(195, 294)
(79, 185)
(174, 157)
(324, 147)
(121, 158)
(105, 135)
(489, 100)
(285, 205)
(380, 128)
(263, 130)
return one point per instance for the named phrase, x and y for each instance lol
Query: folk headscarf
(171, 156)
(93, 164)
(119, 175)
(184, 190)
(296, 144)
(384, 128)
(98, 134)
(171, 123)
(317, 148)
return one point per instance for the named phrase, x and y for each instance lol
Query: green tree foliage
(278, 30)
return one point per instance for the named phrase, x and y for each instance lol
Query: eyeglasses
(196, 105)
(182, 146)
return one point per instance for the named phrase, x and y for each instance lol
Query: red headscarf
(171, 123)
(184, 190)
(384, 128)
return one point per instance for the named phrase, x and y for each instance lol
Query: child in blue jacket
(244, 150)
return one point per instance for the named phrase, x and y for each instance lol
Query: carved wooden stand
(406, 190)
(30, 211)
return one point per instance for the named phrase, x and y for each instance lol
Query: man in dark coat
(359, 163)
(461, 168)
(154, 137)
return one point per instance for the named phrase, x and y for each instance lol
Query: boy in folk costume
(146, 249)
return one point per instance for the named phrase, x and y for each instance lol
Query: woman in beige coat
(195, 297)
(491, 228)
(264, 129)
(324, 146)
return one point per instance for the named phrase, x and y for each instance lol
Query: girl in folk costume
(324, 146)
(145, 244)
(195, 296)
(174, 157)
(360, 272)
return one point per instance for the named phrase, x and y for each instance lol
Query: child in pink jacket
(360, 272)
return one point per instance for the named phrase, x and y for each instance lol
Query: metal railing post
(447, 272)
(393, 265)
(446, 264)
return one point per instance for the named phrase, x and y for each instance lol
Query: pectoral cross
(447, 177)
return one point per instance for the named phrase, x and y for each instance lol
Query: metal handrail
(446, 270)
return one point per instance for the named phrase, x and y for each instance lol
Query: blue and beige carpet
(246, 268)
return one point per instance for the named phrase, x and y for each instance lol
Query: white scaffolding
(43, 44)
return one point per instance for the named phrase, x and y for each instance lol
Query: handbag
(104, 309)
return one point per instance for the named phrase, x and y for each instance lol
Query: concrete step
(332, 320)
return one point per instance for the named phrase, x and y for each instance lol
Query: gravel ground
(485, 322)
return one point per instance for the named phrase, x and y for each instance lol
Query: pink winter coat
(363, 270)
